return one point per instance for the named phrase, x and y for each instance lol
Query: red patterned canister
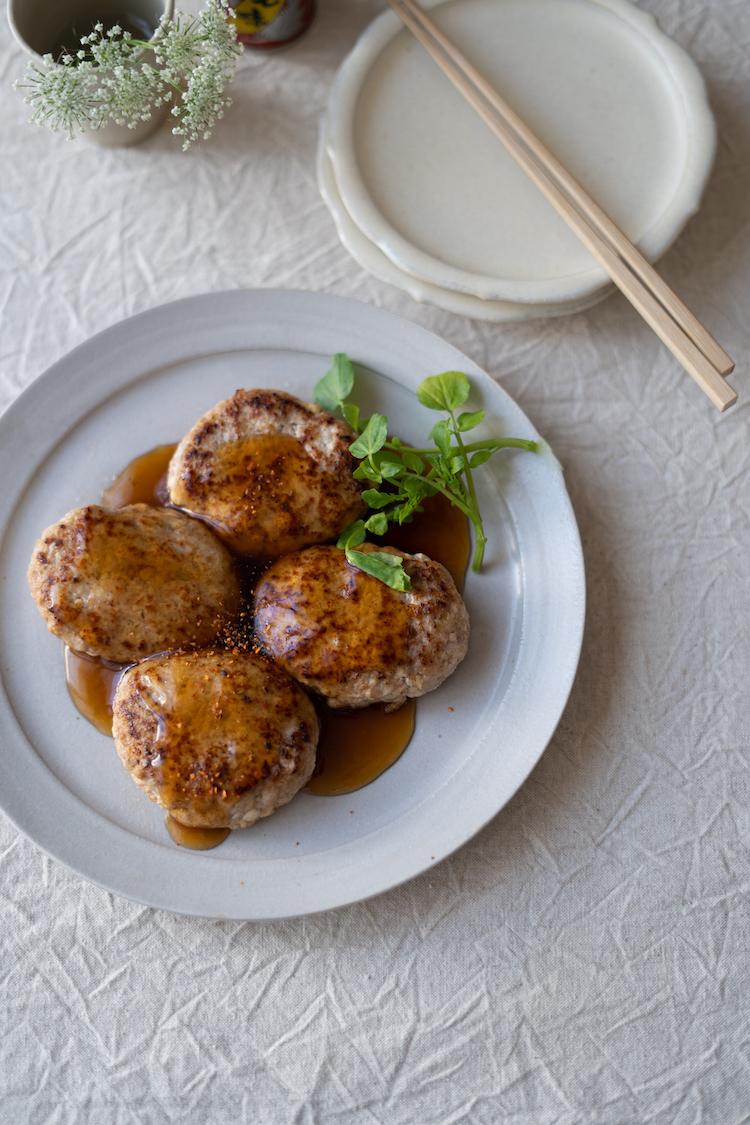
(271, 23)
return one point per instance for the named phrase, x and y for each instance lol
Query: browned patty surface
(272, 473)
(354, 640)
(122, 583)
(218, 739)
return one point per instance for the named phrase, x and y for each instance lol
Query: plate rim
(125, 860)
(701, 148)
(376, 262)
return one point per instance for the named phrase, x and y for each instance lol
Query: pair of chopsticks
(659, 306)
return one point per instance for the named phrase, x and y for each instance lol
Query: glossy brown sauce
(92, 684)
(197, 839)
(355, 747)
(441, 532)
(144, 481)
(251, 467)
(259, 492)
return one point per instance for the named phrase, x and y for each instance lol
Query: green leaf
(380, 564)
(405, 513)
(440, 434)
(366, 472)
(377, 524)
(444, 392)
(337, 384)
(458, 464)
(469, 421)
(351, 414)
(377, 499)
(456, 486)
(352, 536)
(372, 437)
(415, 487)
(479, 458)
(389, 464)
(413, 461)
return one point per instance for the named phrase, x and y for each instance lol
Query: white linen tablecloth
(585, 958)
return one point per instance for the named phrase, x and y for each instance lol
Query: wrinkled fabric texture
(585, 958)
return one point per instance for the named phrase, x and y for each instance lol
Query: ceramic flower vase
(46, 27)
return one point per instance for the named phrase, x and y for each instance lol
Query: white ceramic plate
(620, 104)
(143, 382)
(371, 258)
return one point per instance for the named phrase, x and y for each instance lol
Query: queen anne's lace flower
(130, 92)
(61, 96)
(178, 48)
(109, 77)
(213, 21)
(202, 104)
(110, 50)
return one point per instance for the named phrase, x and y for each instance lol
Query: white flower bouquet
(114, 76)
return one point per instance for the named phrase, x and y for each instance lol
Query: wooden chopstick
(593, 212)
(673, 323)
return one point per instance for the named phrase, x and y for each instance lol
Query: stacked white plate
(424, 196)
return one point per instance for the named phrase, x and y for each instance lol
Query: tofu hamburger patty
(123, 583)
(353, 640)
(273, 474)
(218, 739)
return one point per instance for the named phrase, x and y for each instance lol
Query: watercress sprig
(380, 564)
(411, 474)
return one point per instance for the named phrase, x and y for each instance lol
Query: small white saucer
(620, 104)
(375, 262)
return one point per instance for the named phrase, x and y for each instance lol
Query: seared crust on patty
(218, 739)
(122, 583)
(272, 473)
(351, 638)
